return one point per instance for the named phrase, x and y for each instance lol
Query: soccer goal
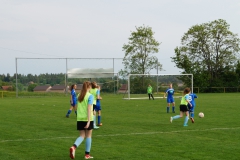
(138, 83)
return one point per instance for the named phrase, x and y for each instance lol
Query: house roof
(41, 88)
(79, 86)
(6, 87)
(58, 87)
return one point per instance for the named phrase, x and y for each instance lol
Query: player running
(184, 107)
(192, 97)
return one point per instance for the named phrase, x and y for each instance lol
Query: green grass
(36, 128)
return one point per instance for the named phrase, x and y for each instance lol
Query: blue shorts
(73, 104)
(98, 108)
(191, 109)
(170, 100)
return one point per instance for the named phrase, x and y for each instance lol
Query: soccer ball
(201, 114)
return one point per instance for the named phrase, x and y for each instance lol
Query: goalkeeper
(149, 91)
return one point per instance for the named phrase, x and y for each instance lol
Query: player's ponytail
(94, 85)
(85, 87)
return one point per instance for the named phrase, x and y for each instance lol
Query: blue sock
(78, 141)
(176, 117)
(192, 114)
(167, 109)
(99, 119)
(88, 144)
(69, 112)
(173, 108)
(186, 120)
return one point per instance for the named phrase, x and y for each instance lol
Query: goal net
(138, 83)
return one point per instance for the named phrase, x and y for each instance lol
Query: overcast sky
(97, 29)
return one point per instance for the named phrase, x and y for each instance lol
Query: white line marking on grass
(115, 135)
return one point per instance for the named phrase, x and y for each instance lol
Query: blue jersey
(74, 96)
(170, 92)
(191, 98)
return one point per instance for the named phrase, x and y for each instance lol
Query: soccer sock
(176, 117)
(186, 120)
(76, 112)
(88, 144)
(94, 120)
(69, 112)
(99, 119)
(173, 108)
(167, 109)
(192, 114)
(78, 141)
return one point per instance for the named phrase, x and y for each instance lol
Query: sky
(79, 30)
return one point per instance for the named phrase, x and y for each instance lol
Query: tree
(139, 52)
(31, 87)
(206, 51)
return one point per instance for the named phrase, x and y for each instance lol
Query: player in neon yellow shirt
(184, 107)
(149, 91)
(84, 120)
(96, 95)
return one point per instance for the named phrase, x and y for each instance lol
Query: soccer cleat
(185, 125)
(100, 124)
(67, 116)
(87, 156)
(192, 120)
(95, 127)
(171, 119)
(72, 152)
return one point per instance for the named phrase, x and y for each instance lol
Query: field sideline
(36, 128)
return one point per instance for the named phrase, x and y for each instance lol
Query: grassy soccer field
(36, 128)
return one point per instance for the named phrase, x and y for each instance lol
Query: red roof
(6, 87)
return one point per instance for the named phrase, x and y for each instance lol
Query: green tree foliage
(31, 87)
(208, 51)
(139, 55)
(139, 51)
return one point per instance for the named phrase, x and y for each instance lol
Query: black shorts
(94, 107)
(82, 124)
(183, 108)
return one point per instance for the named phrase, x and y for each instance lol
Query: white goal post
(129, 75)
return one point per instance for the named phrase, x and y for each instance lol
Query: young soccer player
(84, 120)
(192, 97)
(183, 107)
(170, 92)
(96, 95)
(149, 91)
(73, 100)
(98, 107)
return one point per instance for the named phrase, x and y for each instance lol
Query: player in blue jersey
(170, 92)
(192, 97)
(73, 100)
(84, 121)
(98, 107)
(184, 107)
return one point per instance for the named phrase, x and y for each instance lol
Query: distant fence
(216, 89)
